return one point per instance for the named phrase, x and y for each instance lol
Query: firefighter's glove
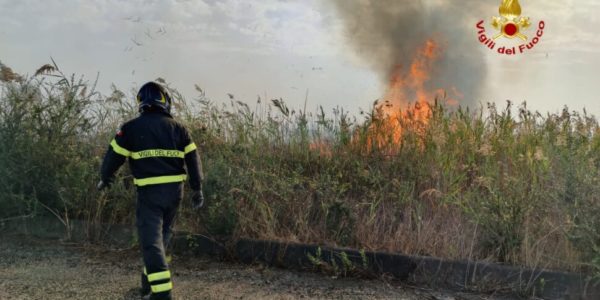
(101, 185)
(197, 200)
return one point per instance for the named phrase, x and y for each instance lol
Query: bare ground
(48, 269)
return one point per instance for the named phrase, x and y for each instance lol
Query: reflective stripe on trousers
(160, 282)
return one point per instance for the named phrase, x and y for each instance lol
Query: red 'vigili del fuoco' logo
(511, 25)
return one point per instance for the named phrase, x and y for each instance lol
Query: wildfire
(408, 98)
(407, 102)
(408, 86)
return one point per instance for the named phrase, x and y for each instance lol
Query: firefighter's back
(157, 144)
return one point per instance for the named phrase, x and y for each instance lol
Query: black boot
(145, 290)
(161, 296)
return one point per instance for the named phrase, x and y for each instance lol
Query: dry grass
(509, 185)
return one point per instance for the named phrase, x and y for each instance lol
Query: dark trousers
(155, 213)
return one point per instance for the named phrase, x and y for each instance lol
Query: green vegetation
(508, 185)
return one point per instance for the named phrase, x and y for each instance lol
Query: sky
(298, 50)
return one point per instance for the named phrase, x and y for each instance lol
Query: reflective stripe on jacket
(157, 147)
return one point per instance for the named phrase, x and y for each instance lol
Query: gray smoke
(387, 33)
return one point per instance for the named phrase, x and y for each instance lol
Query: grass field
(504, 184)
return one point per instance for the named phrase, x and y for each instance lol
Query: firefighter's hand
(101, 185)
(197, 200)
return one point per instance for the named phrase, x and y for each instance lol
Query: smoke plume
(387, 33)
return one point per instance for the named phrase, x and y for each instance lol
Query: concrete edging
(458, 275)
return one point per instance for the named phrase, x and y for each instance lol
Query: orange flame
(409, 87)
(407, 103)
(408, 91)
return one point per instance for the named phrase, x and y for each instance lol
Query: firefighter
(157, 148)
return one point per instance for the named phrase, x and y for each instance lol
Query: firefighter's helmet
(153, 96)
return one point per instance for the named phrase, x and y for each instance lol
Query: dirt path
(44, 269)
